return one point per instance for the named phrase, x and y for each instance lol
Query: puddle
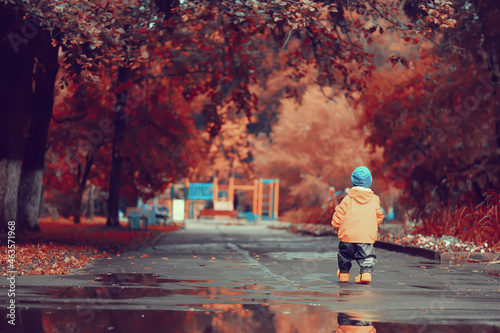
(110, 293)
(135, 286)
(49, 294)
(174, 305)
(142, 279)
(126, 290)
(212, 318)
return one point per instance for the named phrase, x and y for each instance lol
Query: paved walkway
(249, 278)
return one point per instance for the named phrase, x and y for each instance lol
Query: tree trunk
(82, 183)
(116, 157)
(10, 170)
(91, 202)
(30, 186)
(16, 71)
(77, 206)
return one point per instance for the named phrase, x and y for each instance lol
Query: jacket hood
(360, 194)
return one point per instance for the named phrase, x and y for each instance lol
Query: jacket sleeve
(380, 214)
(340, 213)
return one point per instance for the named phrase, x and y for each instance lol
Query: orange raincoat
(358, 216)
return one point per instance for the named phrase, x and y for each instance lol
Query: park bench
(137, 215)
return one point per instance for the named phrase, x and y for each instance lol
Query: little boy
(357, 219)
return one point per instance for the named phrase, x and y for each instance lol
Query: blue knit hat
(361, 177)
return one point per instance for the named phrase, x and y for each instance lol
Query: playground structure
(178, 207)
(265, 204)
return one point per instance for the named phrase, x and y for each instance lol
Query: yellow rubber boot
(343, 277)
(363, 278)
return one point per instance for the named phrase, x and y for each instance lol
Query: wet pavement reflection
(102, 303)
(211, 318)
(117, 289)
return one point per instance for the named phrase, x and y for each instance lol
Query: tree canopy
(168, 76)
(438, 124)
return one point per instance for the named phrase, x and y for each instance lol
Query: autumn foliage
(151, 92)
(470, 223)
(65, 248)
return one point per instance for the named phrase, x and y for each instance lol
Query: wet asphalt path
(213, 277)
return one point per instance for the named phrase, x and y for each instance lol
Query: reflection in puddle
(50, 294)
(143, 279)
(112, 289)
(135, 286)
(205, 318)
(102, 293)
(349, 324)
(201, 306)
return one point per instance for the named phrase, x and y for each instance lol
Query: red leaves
(64, 247)
(395, 59)
(51, 259)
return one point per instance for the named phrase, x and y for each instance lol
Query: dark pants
(363, 253)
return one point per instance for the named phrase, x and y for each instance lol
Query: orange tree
(208, 48)
(158, 145)
(89, 34)
(438, 124)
